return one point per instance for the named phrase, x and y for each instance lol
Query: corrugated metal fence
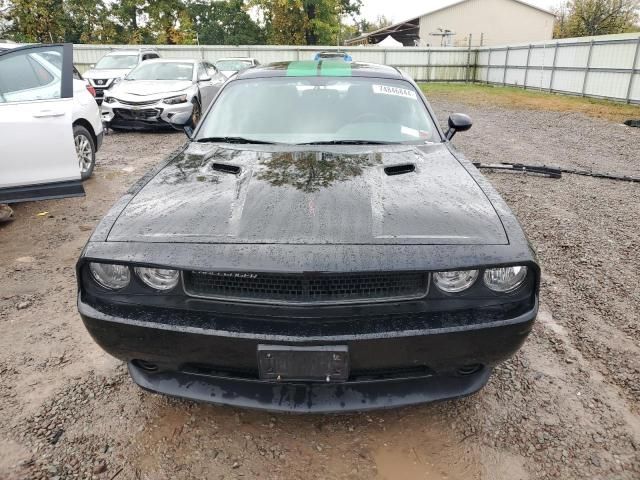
(603, 68)
(592, 68)
(423, 64)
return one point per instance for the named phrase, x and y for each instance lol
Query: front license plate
(312, 364)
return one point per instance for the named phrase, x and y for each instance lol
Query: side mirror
(182, 121)
(458, 122)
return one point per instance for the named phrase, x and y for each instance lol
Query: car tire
(196, 114)
(85, 150)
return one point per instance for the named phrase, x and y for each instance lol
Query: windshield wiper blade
(348, 142)
(233, 140)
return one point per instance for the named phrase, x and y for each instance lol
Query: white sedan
(157, 90)
(50, 126)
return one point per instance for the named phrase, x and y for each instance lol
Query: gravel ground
(567, 406)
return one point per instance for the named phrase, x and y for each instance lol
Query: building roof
(395, 26)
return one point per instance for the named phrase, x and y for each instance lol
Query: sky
(399, 10)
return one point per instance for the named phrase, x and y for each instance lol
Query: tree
(285, 21)
(301, 22)
(578, 18)
(224, 23)
(170, 23)
(88, 21)
(35, 21)
(365, 26)
(130, 18)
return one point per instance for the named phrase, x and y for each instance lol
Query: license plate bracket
(321, 363)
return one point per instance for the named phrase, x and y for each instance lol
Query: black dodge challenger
(318, 245)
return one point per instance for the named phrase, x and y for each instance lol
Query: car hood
(149, 88)
(105, 73)
(211, 194)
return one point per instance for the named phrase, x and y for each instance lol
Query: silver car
(156, 90)
(232, 65)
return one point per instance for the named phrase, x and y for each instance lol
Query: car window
(117, 62)
(233, 65)
(149, 56)
(320, 109)
(28, 76)
(211, 70)
(202, 72)
(162, 71)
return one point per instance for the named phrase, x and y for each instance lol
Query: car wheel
(85, 149)
(196, 113)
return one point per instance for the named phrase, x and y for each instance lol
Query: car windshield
(162, 71)
(233, 65)
(320, 110)
(117, 62)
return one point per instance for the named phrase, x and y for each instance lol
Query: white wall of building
(498, 22)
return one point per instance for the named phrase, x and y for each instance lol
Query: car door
(217, 78)
(206, 85)
(38, 158)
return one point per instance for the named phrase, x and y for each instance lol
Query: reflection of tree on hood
(311, 171)
(187, 169)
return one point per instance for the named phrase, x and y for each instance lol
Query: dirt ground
(567, 406)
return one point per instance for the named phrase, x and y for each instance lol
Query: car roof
(313, 68)
(132, 51)
(235, 58)
(172, 60)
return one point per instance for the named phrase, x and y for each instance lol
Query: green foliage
(170, 23)
(579, 18)
(224, 23)
(88, 22)
(35, 20)
(305, 22)
(221, 22)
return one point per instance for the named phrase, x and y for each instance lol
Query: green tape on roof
(335, 68)
(302, 69)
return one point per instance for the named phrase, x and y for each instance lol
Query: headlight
(110, 276)
(109, 99)
(175, 100)
(456, 281)
(158, 278)
(505, 279)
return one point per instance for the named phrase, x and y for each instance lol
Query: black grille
(143, 114)
(307, 288)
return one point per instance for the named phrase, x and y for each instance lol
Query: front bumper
(310, 398)
(99, 94)
(175, 353)
(144, 116)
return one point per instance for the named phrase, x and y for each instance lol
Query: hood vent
(400, 169)
(226, 168)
